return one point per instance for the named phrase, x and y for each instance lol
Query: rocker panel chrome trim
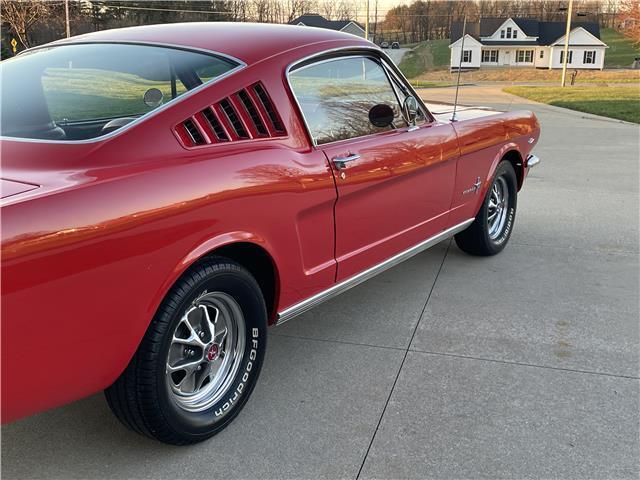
(309, 303)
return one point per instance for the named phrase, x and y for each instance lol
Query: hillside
(429, 55)
(621, 51)
(434, 54)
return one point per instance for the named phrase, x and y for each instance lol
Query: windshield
(75, 92)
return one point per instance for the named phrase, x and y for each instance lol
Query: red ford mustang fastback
(169, 191)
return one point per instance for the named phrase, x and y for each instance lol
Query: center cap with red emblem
(213, 352)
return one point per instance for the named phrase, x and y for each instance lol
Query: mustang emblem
(475, 188)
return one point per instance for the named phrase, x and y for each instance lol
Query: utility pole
(66, 15)
(566, 44)
(366, 23)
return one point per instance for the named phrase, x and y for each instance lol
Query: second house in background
(316, 20)
(520, 42)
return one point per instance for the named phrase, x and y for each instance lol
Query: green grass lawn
(622, 103)
(429, 55)
(621, 51)
(429, 84)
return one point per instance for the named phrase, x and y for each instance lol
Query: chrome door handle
(340, 162)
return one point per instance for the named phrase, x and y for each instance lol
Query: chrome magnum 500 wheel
(206, 351)
(200, 358)
(492, 227)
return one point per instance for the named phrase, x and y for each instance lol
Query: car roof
(249, 42)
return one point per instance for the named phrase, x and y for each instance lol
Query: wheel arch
(249, 250)
(514, 157)
(511, 153)
(260, 264)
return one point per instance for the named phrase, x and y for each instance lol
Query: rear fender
(201, 250)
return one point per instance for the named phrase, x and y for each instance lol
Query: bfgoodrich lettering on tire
(492, 227)
(199, 359)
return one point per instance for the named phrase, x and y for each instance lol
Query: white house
(520, 42)
(316, 20)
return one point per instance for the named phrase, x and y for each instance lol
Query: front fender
(504, 151)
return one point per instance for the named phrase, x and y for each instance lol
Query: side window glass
(76, 94)
(397, 86)
(336, 95)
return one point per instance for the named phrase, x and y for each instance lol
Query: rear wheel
(200, 357)
(490, 231)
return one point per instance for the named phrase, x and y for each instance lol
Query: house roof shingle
(552, 31)
(316, 20)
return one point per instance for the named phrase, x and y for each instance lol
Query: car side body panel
(87, 258)
(484, 142)
(395, 195)
(106, 227)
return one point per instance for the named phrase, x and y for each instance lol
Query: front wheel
(199, 359)
(490, 231)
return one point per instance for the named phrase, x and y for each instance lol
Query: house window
(501, 33)
(569, 57)
(508, 32)
(490, 56)
(589, 57)
(524, 56)
(515, 33)
(541, 53)
(466, 56)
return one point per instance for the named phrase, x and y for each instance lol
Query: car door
(394, 183)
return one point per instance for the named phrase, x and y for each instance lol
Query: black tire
(142, 398)
(477, 239)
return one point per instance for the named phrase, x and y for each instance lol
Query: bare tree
(21, 16)
(328, 8)
(346, 10)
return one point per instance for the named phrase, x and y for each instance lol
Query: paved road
(521, 365)
(396, 54)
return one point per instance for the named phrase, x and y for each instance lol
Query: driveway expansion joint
(344, 342)
(404, 358)
(532, 365)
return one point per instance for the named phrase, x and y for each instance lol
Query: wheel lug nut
(199, 368)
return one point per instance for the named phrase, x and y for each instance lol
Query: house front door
(506, 58)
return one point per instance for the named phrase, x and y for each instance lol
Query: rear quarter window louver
(253, 112)
(246, 114)
(193, 132)
(234, 119)
(268, 107)
(215, 125)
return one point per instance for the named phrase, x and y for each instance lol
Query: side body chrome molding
(337, 289)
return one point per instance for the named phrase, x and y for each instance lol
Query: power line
(175, 10)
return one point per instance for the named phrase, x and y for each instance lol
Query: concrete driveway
(523, 365)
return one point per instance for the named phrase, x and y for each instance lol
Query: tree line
(34, 22)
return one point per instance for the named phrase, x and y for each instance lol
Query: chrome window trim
(395, 80)
(342, 57)
(357, 49)
(337, 289)
(175, 46)
(241, 65)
